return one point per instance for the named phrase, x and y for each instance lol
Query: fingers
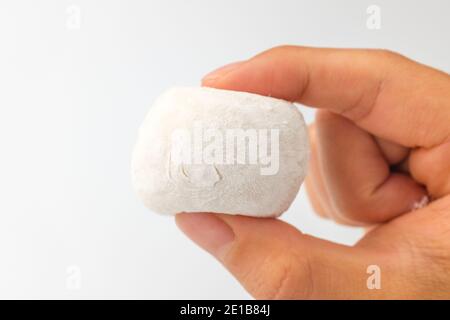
(432, 168)
(357, 176)
(271, 259)
(348, 205)
(386, 94)
(315, 187)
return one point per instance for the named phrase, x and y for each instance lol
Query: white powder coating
(170, 187)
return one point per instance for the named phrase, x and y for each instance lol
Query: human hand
(380, 146)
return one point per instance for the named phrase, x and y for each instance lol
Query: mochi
(201, 149)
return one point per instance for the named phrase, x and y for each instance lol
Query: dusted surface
(255, 189)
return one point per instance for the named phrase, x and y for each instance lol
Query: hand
(380, 147)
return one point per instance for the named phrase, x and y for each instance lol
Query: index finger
(384, 93)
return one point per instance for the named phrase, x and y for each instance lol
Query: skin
(380, 144)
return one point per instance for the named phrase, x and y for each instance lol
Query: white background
(71, 100)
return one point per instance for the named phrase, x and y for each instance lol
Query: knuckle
(282, 48)
(324, 117)
(280, 51)
(354, 212)
(386, 54)
(428, 244)
(281, 273)
(290, 280)
(360, 210)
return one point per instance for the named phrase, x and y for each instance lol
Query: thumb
(273, 260)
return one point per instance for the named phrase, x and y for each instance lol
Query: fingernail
(218, 73)
(207, 230)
